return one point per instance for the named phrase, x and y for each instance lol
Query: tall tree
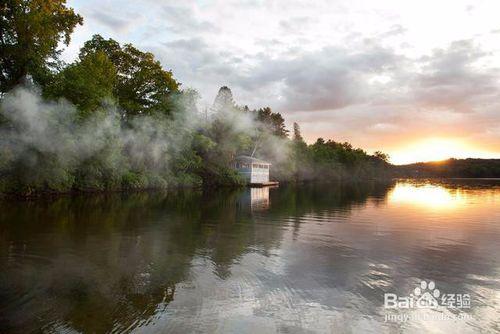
(30, 31)
(273, 122)
(224, 100)
(300, 155)
(297, 136)
(86, 83)
(225, 128)
(142, 86)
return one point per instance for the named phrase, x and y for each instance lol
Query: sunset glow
(436, 149)
(427, 196)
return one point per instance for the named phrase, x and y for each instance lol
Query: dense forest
(115, 119)
(466, 168)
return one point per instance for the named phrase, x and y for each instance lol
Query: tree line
(451, 168)
(129, 123)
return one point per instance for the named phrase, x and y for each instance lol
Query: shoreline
(56, 194)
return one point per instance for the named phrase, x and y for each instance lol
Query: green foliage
(330, 160)
(142, 86)
(30, 32)
(50, 175)
(301, 156)
(86, 83)
(98, 173)
(216, 175)
(134, 181)
(273, 122)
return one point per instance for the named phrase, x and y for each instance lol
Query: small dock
(264, 184)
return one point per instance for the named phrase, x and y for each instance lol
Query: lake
(315, 258)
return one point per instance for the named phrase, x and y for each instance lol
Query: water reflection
(429, 196)
(255, 199)
(293, 259)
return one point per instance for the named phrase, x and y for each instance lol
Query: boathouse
(255, 171)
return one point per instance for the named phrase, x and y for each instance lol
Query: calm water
(289, 260)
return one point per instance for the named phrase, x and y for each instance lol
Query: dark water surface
(314, 258)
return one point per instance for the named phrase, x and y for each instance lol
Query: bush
(134, 181)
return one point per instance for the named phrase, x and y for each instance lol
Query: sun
(434, 149)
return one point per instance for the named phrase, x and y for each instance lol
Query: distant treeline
(473, 168)
(115, 119)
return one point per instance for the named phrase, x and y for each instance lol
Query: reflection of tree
(295, 201)
(112, 262)
(94, 264)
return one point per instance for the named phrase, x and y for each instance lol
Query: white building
(254, 170)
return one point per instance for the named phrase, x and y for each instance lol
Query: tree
(297, 136)
(382, 156)
(186, 102)
(143, 86)
(273, 122)
(87, 82)
(224, 100)
(30, 31)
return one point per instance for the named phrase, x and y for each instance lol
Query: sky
(419, 80)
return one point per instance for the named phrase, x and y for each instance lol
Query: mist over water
(313, 258)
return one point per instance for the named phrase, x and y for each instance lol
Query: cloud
(296, 25)
(340, 92)
(394, 30)
(384, 127)
(450, 78)
(115, 23)
(333, 77)
(330, 78)
(182, 19)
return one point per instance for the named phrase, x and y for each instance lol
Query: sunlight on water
(314, 258)
(427, 196)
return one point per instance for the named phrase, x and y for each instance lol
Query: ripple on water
(315, 259)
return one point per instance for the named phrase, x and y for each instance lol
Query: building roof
(249, 159)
